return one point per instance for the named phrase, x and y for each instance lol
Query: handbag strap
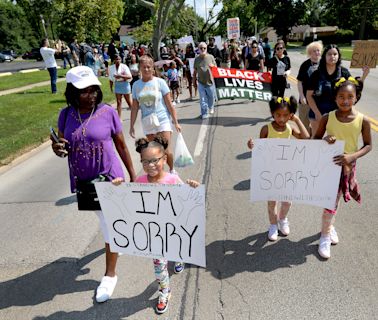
(157, 95)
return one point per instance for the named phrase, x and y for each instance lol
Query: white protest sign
(191, 65)
(155, 221)
(186, 40)
(218, 42)
(300, 171)
(233, 28)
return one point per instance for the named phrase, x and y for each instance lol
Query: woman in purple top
(87, 131)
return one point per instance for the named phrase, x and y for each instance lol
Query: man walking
(202, 65)
(48, 55)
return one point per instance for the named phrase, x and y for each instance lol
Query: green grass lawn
(22, 79)
(25, 118)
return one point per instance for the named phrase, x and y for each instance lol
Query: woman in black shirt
(280, 65)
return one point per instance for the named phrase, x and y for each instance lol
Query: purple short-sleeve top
(91, 151)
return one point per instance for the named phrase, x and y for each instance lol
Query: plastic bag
(183, 157)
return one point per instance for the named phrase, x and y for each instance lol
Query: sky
(200, 6)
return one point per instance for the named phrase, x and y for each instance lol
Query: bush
(340, 36)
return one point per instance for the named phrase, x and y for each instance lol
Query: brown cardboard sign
(365, 53)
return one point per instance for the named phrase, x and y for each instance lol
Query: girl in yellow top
(346, 124)
(283, 110)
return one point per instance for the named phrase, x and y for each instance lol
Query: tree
(164, 12)
(15, 30)
(89, 20)
(281, 14)
(185, 23)
(135, 14)
(237, 8)
(143, 33)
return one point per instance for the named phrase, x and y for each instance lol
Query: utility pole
(43, 25)
(195, 21)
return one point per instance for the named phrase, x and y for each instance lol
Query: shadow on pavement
(243, 185)
(245, 155)
(66, 201)
(114, 309)
(228, 257)
(43, 284)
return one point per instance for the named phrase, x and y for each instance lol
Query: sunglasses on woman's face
(254, 47)
(279, 48)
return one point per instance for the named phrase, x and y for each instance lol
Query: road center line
(201, 139)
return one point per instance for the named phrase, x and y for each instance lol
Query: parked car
(5, 57)
(33, 54)
(10, 53)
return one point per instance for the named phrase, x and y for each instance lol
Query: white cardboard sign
(155, 221)
(300, 171)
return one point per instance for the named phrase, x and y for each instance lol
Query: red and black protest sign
(242, 84)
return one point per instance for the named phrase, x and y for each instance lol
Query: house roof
(266, 29)
(326, 29)
(124, 30)
(300, 29)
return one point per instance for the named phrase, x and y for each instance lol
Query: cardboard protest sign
(300, 171)
(155, 221)
(184, 41)
(233, 28)
(242, 84)
(365, 53)
(218, 42)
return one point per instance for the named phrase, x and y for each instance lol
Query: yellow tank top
(272, 133)
(347, 131)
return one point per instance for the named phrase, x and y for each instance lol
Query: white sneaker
(283, 226)
(173, 103)
(334, 236)
(273, 232)
(211, 111)
(106, 288)
(178, 101)
(325, 247)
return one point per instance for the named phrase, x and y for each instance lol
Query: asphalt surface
(52, 257)
(20, 64)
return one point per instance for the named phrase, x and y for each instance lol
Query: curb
(29, 70)
(24, 157)
(3, 74)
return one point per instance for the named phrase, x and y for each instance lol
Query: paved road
(52, 258)
(18, 65)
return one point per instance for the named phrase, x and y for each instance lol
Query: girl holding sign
(153, 157)
(346, 124)
(283, 110)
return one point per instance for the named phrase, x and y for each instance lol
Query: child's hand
(330, 139)
(344, 159)
(294, 117)
(117, 181)
(250, 143)
(193, 183)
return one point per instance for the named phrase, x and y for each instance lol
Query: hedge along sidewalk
(25, 118)
(17, 81)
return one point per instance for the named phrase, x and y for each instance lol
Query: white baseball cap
(82, 77)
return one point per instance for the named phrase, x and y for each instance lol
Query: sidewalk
(28, 87)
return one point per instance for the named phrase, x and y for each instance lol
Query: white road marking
(201, 139)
